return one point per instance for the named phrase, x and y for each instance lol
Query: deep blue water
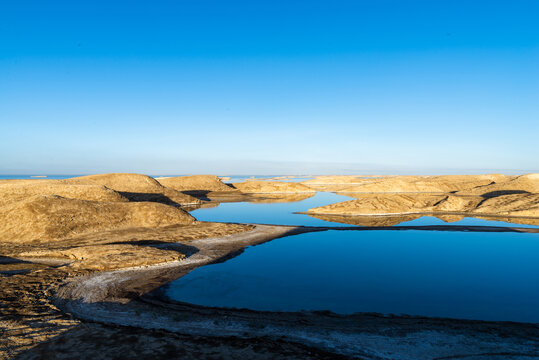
(485, 276)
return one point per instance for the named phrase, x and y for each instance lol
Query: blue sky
(266, 87)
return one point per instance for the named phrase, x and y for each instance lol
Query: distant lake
(283, 213)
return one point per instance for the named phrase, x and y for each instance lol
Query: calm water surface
(485, 276)
(284, 213)
(271, 213)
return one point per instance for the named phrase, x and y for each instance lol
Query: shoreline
(441, 213)
(133, 297)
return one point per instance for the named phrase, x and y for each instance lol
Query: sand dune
(335, 182)
(196, 183)
(136, 187)
(521, 205)
(511, 205)
(380, 204)
(261, 187)
(518, 184)
(51, 217)
(15, 191)
(426, 184)
(336, 179)
(123, 182)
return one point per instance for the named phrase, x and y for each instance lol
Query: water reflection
(367, 220)
(419, 220)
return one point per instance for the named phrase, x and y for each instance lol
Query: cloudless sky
(269, 87)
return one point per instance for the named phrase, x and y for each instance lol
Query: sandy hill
(338, 179)
(335, 182)
(261, 187)
(123, 182)
(380, 204)
(16, 191)
(518, 184)
(510, 205)
(523, 205)
(136, 187)
(201, 183)
(427, 184)
(51, 217)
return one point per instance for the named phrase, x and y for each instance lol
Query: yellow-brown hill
(51, 217)
(425, 184)
(521, 205)
(518, 184)
(136, 187)
(122, 182)
(337, 180)
(16, 191)
(195, 183)
(263, 187)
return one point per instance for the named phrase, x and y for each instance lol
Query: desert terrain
(83, 259)
(514, 198)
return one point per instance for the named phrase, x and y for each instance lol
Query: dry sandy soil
(268, 187)
(196, 183)
(404, 184)
(50, 218)
(83, 260)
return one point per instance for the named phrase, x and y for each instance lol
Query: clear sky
(269, 87)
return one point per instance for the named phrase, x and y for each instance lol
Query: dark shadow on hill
(159, 198)
(11, 266)
(199, 194)
(496, 193)
(184, 249)
(9, 260)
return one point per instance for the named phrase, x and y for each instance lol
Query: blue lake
(472, 275)
(283, 213)
(484, 276)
